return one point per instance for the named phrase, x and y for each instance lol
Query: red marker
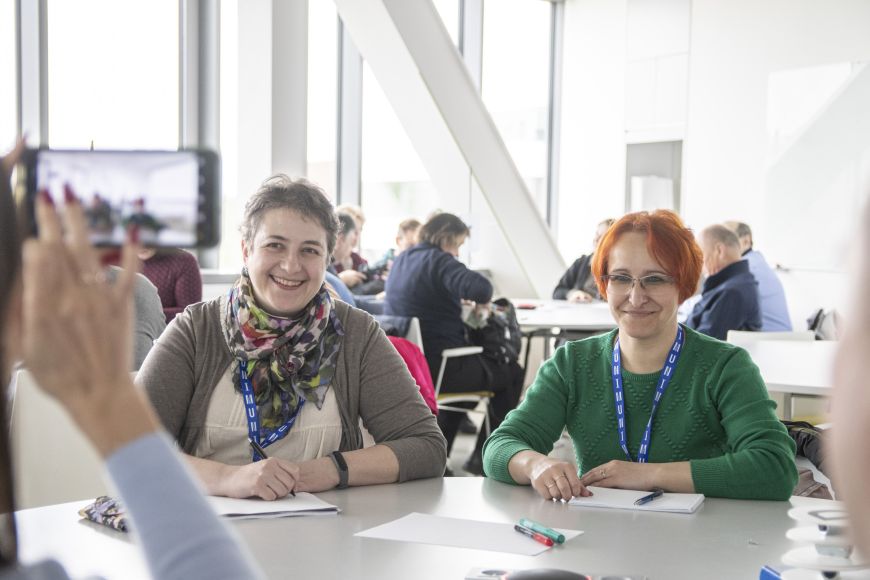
(533, 535)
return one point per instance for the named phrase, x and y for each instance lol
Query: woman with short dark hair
(427, 281)
(332, 402)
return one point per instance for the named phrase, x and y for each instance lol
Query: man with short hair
(729, 299)
(771, 296)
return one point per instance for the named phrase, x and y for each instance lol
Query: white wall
(592, 185)
(736, 48)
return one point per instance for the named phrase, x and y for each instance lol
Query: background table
(795, 367)
(725, 539)
(548, 314)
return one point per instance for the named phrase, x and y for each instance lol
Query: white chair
(447, 401)
(414, 335)
(53, 462)
(743, 336)
(740, 337)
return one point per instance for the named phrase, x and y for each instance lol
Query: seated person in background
(405, 238)
(359, 219)
(850, 409)
(729, 298)
(578, 284)
(340, 288)
(319, 377)
(83, 361)
(149, 320)
(344, 264)
(771, 296)
(427, 281)
(702, 423)
(176, 275)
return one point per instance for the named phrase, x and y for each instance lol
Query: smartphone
(173, 196)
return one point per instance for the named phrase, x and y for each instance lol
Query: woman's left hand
(622, 475)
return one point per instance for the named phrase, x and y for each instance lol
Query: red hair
(668, 241)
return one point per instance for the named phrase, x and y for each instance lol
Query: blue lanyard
(253, 413)
(664, 380)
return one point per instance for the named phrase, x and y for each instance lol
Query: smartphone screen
(172, 196)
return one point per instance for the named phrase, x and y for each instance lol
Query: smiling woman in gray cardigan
(277, 360)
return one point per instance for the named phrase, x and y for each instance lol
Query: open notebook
(623, 499)
(304, 504)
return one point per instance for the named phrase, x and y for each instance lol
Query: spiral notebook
(623, 499)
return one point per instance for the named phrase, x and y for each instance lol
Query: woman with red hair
(652, 404)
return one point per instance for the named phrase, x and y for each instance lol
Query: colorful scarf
(286, 358)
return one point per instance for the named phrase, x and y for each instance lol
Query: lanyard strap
(253, 414)
(618, 395)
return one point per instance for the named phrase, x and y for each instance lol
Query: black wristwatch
(341, 467)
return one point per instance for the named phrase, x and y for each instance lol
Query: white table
(795, 367)
(725, 539)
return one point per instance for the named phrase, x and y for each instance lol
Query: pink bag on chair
(416, 363)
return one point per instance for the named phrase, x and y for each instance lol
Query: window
(516, 84)
(449, 12)
(113, 78)
(322, 94)
(395, 185)
(7, 74)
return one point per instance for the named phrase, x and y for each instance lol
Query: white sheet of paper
(304, 504)
(460, 533)
(623, 499)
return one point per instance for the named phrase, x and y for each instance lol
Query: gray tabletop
(724, 539)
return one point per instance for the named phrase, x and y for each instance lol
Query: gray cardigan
(371, 382)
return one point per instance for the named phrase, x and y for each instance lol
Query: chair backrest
(53, 461)
(414, 334)
(744, 336)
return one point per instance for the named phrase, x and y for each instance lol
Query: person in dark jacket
(578, 284)
(729, 299)
(427, 281)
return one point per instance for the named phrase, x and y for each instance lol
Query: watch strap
(341, 467)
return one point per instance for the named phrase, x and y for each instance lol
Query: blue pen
(648, 498)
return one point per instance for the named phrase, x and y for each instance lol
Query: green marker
(550, 533)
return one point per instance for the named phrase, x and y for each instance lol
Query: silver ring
(603, 474)
(89, 279)
(551, 484)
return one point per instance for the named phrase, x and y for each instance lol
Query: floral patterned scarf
(286, 358)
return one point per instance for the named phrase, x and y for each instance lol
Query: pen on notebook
(648, 498)
(544, 530)
(262, 453)
(534, 535)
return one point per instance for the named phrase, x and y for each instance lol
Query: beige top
(316, 432)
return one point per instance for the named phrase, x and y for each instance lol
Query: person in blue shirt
(72, 328)
(771, 296)
(729, 298)
(429, 282)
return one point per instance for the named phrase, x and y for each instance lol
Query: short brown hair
(443, 228)
(668, 240)
(299, 195)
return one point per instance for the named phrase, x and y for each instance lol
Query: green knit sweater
(715, 414)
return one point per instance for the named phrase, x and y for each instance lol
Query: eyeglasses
(620, 284)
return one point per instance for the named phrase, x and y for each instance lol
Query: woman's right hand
(269, 479)
(78, 328)
(551, 478)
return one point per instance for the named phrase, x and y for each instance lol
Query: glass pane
(449, 12)
(516, 78)
(113, 74)
(322, 94)
(395, 185)
(7, 74)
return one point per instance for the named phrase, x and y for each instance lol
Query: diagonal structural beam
(425, 79)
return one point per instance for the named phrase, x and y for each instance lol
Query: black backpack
(501, 337)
